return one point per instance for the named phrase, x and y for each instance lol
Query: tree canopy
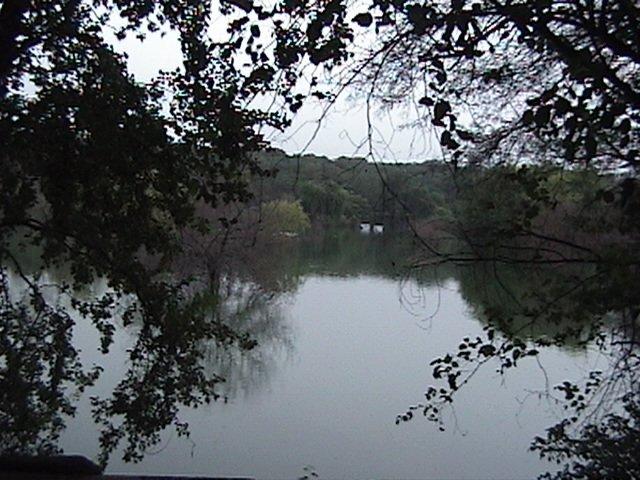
(543, 81)
(101, 175)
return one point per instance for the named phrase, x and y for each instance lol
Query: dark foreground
(73, 466)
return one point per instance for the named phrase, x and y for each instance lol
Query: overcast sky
(342, 133)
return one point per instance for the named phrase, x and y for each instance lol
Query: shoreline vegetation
(551, 210)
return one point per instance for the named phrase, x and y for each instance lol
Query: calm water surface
(344, 347)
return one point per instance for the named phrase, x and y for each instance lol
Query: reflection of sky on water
(341, 351)
(360, 357)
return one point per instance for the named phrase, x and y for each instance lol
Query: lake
(345, 340)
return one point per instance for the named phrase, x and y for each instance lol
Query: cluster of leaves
(41, 371)
(330, 200)
(458, 369)
(309, 472)
(544, 80)
(608, 449)
(282, 216)
(166, 371)
(167, 366)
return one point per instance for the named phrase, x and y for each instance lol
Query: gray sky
(343, 132)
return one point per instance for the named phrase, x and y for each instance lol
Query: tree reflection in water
(218, 335)
(525, 309)
(606, 449)
(40, 371)
(249, 308)
(179, 364)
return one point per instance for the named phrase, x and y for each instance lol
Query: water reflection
(249, 308)
(249, 300)
(170, 367)
(224, 324)
(40, 370)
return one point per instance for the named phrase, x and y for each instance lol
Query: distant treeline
(432, 194)
(352, 189)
